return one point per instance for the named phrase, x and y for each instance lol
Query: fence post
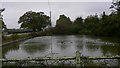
(78, 60)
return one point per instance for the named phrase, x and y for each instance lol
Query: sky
(56, 0)
(15, 9)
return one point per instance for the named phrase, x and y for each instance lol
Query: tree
(116, 7)
(116, 16)
(36, 21)
(63, 25)
(77, 25)
(91, 24)
(3, 25)
(106, 25)
(110, 24)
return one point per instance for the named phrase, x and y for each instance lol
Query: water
(61, 46)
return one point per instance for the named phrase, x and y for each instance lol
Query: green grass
(13, 37)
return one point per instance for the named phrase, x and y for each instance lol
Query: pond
(59, 46)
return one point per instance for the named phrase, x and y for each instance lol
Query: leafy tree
(110, 24)
(63, 25)
(91, 24)
(77, 25)
(106, 25)
(116, 16)
(116, 7)
(3, 25)
(34, 20)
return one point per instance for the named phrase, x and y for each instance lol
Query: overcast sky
(56, 0)
(71, 9)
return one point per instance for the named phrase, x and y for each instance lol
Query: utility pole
(50, 13)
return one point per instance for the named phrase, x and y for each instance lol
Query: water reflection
(9, 48)
(34, 47)
(63, 46)
(110, 50)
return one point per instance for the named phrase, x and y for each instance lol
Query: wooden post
(78, 61)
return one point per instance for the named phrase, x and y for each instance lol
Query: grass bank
(8, 39)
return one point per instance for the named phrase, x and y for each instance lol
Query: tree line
(104, 25)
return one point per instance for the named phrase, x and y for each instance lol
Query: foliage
(91, 23)
(105, 25)
(77, 25)
(63, 25)
(3, 25)
(115, 7)
(36, 21)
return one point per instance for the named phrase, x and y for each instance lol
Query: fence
(78, 60)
